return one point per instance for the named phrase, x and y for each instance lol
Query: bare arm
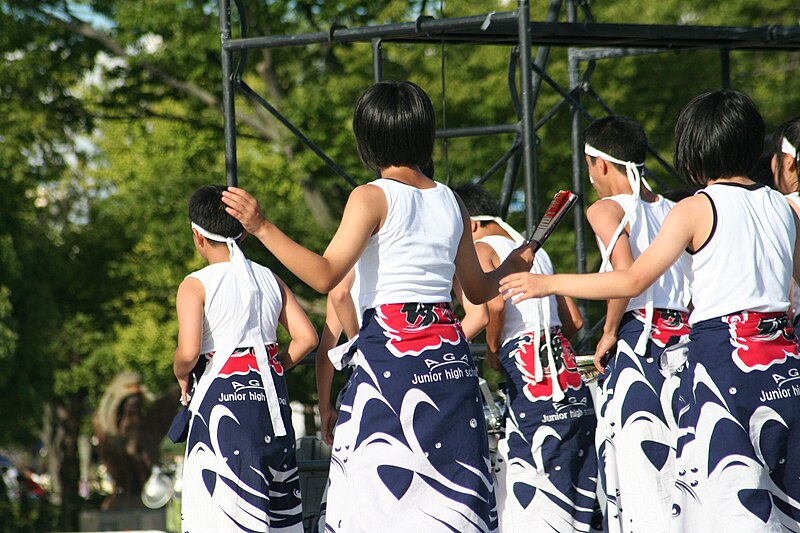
(324, 372)
(344, 306)
(302, 332)
(365, 211)
(479, 286)
(570, 315)
(796, 257)
(687, 223)
(605, 217)
(189, 303)
(476, 316)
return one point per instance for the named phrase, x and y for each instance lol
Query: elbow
(578, 322)
(338, 295)
(308, 342)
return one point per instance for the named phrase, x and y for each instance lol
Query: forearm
(183, 364)
(313, 269)
(494, 330)
(295, 352)
(598, 286)
(614, 313)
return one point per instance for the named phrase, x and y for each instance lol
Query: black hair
(394, 124)
(620, 137)
(791, 130)
(207, 211)
(676, 195)
(428, 169)
(477, 200)
(762, 169)
(718, 135)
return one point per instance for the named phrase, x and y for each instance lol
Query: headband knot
(788, 148)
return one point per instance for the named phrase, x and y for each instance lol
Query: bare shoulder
(605, 211)
(366, 193)
(604, 216)
(696, 205)
(190, 290)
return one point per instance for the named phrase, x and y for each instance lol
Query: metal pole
(725, 57)
(543, 52)
(228, 108)
(377, 60)
(577, 162)
(529, 149)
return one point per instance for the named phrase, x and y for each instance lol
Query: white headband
(514, 234)
(213, 236)
(590, 150)
(788, 148)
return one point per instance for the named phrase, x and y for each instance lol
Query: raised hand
(245, 208)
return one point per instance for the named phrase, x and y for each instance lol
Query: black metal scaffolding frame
(587, 41)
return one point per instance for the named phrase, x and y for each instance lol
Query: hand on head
(242, 206)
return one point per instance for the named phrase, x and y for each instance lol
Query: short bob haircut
(620, 137)
(207, 211)
(718, 135)
(394, 125)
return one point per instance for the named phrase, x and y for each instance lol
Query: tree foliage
(111, 118)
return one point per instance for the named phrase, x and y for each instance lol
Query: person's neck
(741, 180)
(218, 254)
(408, 175)
(621, 185)
(490, 229)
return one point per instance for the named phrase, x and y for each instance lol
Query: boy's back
(225, 313)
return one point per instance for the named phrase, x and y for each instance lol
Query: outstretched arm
(365, 210)
(688, 223)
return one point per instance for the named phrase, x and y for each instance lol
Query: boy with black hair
(737, 464)
(240, 472)
(637, 479)
(540, 481)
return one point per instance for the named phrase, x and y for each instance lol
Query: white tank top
(526, 316)
(224, 312)
(668, 290)
(412, 257)
(795, 296)
(746, 264)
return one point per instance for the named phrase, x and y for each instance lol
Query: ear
(243, 237)
(790, 163)
(474, 225)
(602, 165)
(199, 240)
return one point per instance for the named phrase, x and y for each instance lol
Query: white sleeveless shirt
(412, 257)
(527, 316)
(746, 263)
(668, 290)
(224, 312)
(795, 296)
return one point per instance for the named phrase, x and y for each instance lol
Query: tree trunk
(68, 415)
